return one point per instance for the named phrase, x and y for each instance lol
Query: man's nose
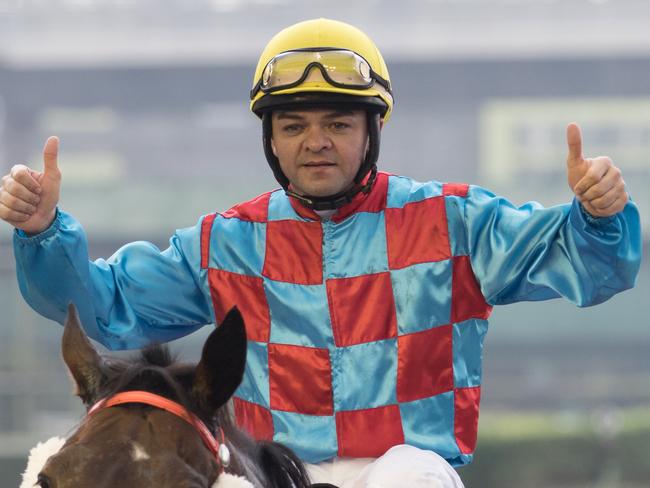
(317, 139)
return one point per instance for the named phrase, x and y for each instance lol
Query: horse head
(154, 422)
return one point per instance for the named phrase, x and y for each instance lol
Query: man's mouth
(318, 164)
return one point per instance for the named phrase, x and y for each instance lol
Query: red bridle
(218, 449)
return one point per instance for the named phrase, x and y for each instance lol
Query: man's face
(320, 150)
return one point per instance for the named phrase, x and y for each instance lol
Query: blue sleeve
(137, 296)
(536, 253)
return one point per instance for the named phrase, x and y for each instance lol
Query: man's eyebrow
(330, 115)
(339, 113)
(289, 115)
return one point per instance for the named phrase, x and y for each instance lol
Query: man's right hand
(28, 198)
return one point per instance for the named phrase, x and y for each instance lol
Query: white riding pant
(401, 466)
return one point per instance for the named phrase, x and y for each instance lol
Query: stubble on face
(320, 150)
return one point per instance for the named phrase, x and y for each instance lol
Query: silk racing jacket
(365, 330)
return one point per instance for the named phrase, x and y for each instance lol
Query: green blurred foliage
(602, 450)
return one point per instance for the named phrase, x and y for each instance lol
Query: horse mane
(155, 369)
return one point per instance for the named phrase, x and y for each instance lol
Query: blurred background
(149, 98)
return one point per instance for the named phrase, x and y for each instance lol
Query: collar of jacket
(375, 201)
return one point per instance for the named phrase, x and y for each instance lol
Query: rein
(217, 448)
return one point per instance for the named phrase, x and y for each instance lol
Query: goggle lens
(339, 67)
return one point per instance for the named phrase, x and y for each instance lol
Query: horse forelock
(155, 370)
(157, 355)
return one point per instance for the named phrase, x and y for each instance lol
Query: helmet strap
(338, 200)
(274, 162)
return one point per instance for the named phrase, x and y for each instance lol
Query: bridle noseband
(217, 447)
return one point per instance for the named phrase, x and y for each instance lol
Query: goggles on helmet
(340, 68)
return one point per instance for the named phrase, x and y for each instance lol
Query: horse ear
(222, 364)
(80, 357)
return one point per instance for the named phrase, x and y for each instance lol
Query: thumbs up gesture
(596, 182)
(28, 198)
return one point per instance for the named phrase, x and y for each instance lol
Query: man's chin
(321, 187)
(320, 191)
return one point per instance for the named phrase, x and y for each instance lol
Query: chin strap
(340, 199)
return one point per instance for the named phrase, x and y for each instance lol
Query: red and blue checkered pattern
(365, 331)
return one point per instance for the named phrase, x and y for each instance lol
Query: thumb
(50, 156)
(574, 141)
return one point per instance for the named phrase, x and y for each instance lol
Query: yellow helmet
(350, 69)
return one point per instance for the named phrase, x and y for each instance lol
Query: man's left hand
(596, 182)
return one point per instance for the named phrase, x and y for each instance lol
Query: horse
(152, 421)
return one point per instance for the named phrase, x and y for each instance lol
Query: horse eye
(43, 481)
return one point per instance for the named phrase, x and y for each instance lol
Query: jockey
(323, 64)
(365, 295)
